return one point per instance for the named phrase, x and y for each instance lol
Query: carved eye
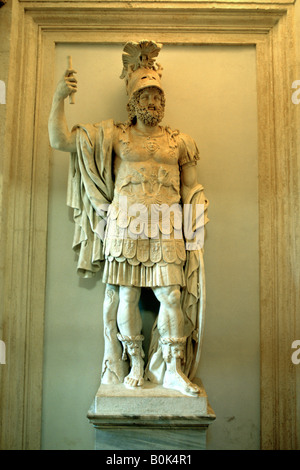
(143, 78)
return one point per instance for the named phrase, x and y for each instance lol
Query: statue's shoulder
(108, 124)
(187, 140)
(172, 132)
(92, 129)
(111, 124)
(179, 136)
(110, 129)
(188, 150)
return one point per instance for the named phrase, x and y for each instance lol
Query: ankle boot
(132, 348)
(173, 350)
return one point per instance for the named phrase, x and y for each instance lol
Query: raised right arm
(59, 135)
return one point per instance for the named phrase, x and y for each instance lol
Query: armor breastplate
(148, 183)
(148, 171)
(145, 218)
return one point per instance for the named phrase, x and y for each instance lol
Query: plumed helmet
(139, 68)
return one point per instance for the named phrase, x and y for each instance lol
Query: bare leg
(170, 318)
(114, 369)
(129, 318)
(170, 325)
(130, 326)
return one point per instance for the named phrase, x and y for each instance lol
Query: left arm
(188, 182)
(188, 179)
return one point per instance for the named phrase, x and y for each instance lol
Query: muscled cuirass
(146, 169)
(145, 217)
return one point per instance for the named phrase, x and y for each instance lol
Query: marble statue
(131, 185)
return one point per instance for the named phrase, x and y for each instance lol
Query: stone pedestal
(150, 418)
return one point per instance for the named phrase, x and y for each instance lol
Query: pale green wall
(211, 95)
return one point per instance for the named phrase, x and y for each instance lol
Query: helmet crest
(139, 67)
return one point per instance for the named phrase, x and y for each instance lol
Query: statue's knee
(129, 295)
(174, 297)
(168, 296)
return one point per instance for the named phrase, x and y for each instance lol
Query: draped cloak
(90, 193)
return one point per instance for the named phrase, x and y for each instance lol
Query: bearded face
(149, 116)
(147, 105)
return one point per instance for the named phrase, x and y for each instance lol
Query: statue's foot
(135, 377)
(132, 346)
(173, 354)
(132, 381)
(176, 380)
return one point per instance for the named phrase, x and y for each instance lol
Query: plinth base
(149, 418)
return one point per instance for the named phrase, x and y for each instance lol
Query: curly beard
(149, 117)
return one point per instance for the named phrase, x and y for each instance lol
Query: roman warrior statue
(134, 191)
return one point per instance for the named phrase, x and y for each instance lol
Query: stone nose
(151, 100)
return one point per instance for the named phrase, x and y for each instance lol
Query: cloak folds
(90, 192)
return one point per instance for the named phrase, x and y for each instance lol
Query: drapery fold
(90, 191)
